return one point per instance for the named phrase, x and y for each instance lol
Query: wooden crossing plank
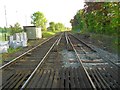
(99, 80)
(81, 78)
(113, 78)
(5, 73)
(112, 70)
(62, 81)
(8, 80)
(11, 80)
(105, 78)
(4, 79)
(85, 79)
(72, 84)
(22, 80)
(35, 79)
(94, 79)
(108, 78)
(113, 73)
(55, 80)
(100, 76)
(39, 84)
(17, 80)
(76, 78)
(66, 78)
(46, 80)
(60, 70)
(50, 81)
(100, 83)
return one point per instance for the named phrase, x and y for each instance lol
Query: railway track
(15, 73)
(103, 73)
(107, 57)
(59, 69)
(102, 55)
(65, 62)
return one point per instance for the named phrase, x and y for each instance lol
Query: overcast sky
(54, 10)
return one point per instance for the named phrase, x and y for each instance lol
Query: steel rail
(3, 66)
(94, 87)
(66, 38)
(83, 42)
(30, 77)
(108, 60)
(100, 78)
(59, 39)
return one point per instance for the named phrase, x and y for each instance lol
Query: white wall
(38, 33)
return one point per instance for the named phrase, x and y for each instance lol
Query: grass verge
(47, 34)
(12, 50)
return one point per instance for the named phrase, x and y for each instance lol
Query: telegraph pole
(5, 22)
(5, 16)
(26, 20)
(16, 16)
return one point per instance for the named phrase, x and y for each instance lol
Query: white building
(33, 32)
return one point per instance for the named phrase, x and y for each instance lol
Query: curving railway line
(61, 62)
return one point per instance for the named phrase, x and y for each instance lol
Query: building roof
(28, 26)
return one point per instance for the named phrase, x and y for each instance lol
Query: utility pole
(5, 15)
(5, 22)
(26, 20)
(16, 16)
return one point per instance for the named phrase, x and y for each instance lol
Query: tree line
(37, 19)
(98, 17)
(12, 29)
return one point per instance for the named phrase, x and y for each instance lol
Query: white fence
(15, 41)
(4, 46)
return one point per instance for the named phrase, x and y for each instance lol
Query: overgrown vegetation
(15, 29)
(47, 34)
(12, 50)
(5, 32)
(99, 18)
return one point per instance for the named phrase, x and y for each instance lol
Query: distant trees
(98, 17)
(52, 26)
(39, 20)
(7, 31)
(2, 30)
(59, 27)
(56, 26)
(15, 29)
